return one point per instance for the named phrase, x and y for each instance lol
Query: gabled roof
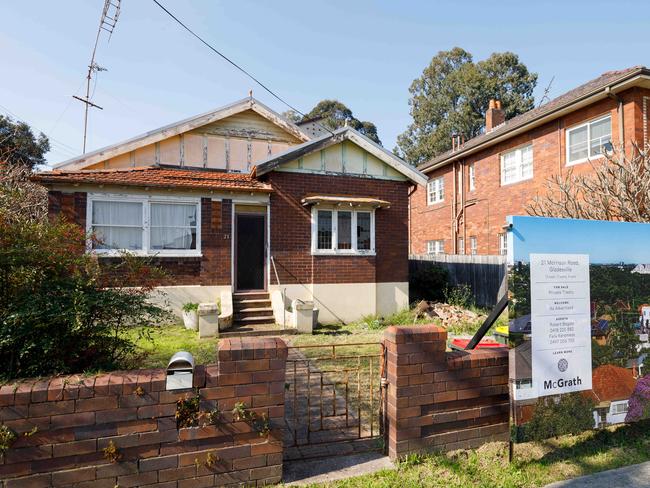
(182, 126)
(157, 176)
(571, 100)
(337, 136)
(612, 383)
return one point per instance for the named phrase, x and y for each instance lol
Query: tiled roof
(155, 176)
(562, 101)
(611, 383)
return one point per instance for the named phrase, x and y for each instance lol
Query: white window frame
(587, 124)
(615, 408)
(436, 190)
(473, 245)
(503, 243)
(146, 201)
(472, 177)
(436, 246)
(461, 245)
(334, 251)
(519, 165)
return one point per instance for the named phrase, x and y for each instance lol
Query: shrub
(190, 307)
(59, 311)
(459, 296)
(639, 403)
(428, 283)
(555, 416)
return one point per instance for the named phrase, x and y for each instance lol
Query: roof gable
(337, 137)
(247, 105)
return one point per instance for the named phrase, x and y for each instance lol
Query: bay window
(144, 225)
(588, 140)
(337, 231)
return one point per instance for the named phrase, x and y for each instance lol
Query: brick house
(473, 187)
(241, 200)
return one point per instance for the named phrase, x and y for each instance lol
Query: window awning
(345, 201)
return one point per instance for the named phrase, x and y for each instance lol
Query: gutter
(587, 99)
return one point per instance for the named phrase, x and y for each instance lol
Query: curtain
(173, 226)
(117, 225)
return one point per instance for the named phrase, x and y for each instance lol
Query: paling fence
(485, 275)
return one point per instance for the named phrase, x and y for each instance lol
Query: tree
(19, 146)
(334, 114)
(452, 96)
(25, 199)
(617, 188)
(555, 416)
(59, 311)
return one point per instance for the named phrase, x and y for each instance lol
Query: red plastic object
(485, 343)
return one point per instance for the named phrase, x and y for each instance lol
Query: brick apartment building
(473, 187)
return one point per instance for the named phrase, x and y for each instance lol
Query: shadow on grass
(628, 438)
(331, 329)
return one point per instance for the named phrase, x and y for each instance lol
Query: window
(117, 225)
(461, 245)
(473, 245)
(436, 247)
(436, 190)
(517, 165)
(144, 225)
(472, 177)
(325, 229)
(588, 140)
(173, 226)
(343, 231)
(619, 408)
(503, 244)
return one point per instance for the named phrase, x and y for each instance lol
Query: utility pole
(107, 22)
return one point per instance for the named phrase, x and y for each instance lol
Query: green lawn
(158, 344)
(535, 464)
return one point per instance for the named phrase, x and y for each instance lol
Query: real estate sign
(560, 315)
(579, 320)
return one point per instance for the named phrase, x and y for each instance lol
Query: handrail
(284, 295)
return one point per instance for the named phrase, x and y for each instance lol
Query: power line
(223, 56)
(63, 147)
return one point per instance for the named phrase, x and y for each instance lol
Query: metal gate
(334, 401)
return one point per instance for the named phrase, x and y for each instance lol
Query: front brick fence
(441, 401)
(120, 428)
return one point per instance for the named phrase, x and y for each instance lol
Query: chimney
(494, 116)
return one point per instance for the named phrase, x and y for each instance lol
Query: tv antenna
(545, 98)
(107, 22)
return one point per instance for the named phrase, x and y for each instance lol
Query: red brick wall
(212, 268)
(491, 202)
(441, 401)
(63, 425)
(291, 230)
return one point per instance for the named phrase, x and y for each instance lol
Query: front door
(249, 251)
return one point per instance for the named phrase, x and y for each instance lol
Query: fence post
(441, 401)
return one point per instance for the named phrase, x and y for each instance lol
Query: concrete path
(637, 475)
(322, 470)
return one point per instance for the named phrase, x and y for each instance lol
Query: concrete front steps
(253, 316)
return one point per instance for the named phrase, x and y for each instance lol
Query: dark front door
(250, 251)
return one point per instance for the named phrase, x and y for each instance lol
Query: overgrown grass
(535, 464)
(158, 344)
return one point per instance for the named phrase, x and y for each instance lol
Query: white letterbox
(180, 371)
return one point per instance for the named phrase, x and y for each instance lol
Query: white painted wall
(175, 296)
(347, 302)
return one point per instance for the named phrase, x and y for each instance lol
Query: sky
(363, 53)
(605, 242)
